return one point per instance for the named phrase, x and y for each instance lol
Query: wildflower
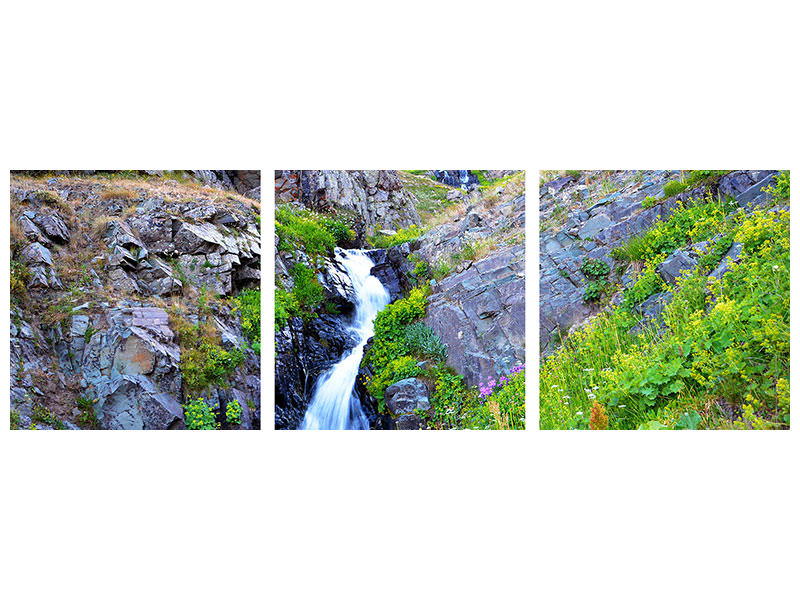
(565, 397)
(591, 396)
(589, 370)
(775, 268)
(579, 413)
(552, 387)
(623, 405)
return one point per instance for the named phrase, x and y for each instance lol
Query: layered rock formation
(109, 267)
(377, 197)
(582, 222)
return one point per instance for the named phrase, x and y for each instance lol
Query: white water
(335, 406)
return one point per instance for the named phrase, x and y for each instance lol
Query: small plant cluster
(198, 415)
(401, 237)
(596, 272)
(203, 360)
(87, 418)
(505, 399)
(304, 300)
(248, 302)
(720, 366)
(20, 276)
(233, 412)
(673, 188)
(779, 191)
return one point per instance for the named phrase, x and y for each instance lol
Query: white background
(401, 85)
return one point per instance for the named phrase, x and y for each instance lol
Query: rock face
(480, 315)
(593, 226)
(132, 263)
(377, 197)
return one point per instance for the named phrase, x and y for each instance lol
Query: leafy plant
(593, 290)
(233, 412)
(595, 269)
(422, 341)
(197, 415)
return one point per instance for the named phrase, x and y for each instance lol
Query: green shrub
(648, 283)
(249, 304)
(208, 364)
(649, 202)
(673, 188)
(87, 417)
(442, 269)
(307, 289)
(593, 290)
(595, 269)
(198, 415)
(421, 341)
(233, 412)
(449, 399)
(389, 341)
(286, 306)
(780, 190)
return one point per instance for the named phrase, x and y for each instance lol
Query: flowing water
(335, 404)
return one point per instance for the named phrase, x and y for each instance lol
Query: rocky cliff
(132, 297)
(377, 197)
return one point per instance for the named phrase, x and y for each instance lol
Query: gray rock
(594, 225)
(53, 227)
(133, 402)
(675, 266)
(36, 253)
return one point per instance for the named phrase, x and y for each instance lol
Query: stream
(335, 404)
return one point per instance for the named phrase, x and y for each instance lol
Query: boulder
(404, 398)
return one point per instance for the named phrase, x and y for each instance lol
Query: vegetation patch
(720, 365)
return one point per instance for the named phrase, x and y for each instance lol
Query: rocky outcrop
(107, 270)
(595, 224)
(378, 198)
(480, 315)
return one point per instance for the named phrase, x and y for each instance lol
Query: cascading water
(335, 404)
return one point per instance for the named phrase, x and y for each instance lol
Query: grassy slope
(723, 367)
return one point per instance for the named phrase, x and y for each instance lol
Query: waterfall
(335, 405)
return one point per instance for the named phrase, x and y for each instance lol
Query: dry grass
(129, 212)
(100, 225)
(448, 215)
(118, 194)
(17, 235)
